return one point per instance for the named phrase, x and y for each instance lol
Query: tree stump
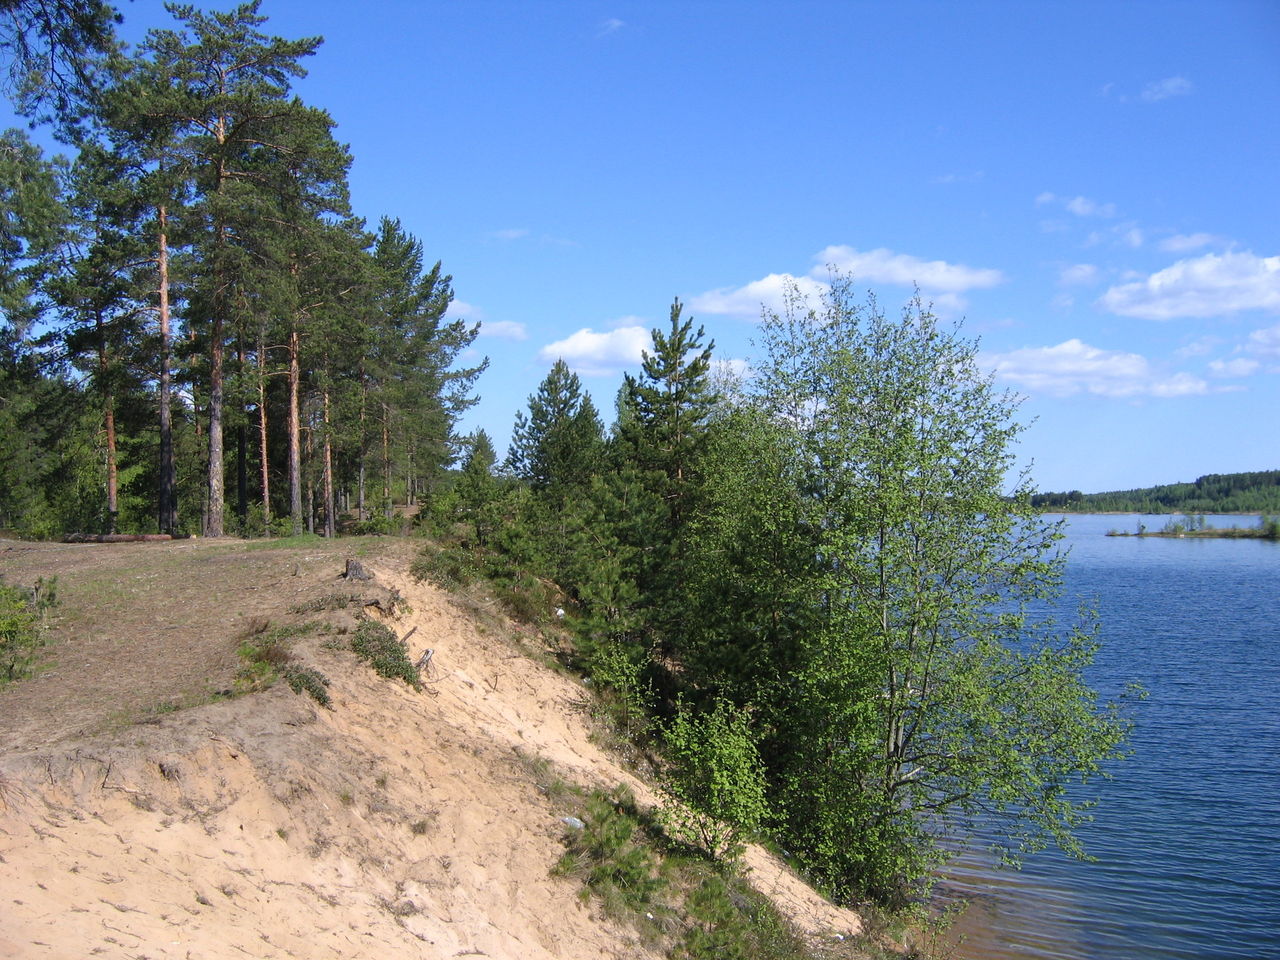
(356, 571)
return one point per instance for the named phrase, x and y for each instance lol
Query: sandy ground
(399, 823)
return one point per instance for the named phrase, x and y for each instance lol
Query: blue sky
(1091, 186)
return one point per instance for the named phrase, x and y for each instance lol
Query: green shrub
(609, 854)
(716, 779)
(378, 644)
(267, 656)
(620, 686)
(312, 681)
(20, 636)
(451, 568)
(376, 525)
(727, 920)
(683, 906)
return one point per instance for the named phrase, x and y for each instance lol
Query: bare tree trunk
(262, 428)
(217, 481)
(311, 487)
(168, 500)
(217, 476)
(330, 520)
(295, 444)
(363, 397)
(109, 422)
(409, 483)
(386, 461)
(242, 442)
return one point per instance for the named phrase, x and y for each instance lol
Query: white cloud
(1166, 88)
(940, 282)
(1084, 207)
(1235, 367)
(1076, 367)
(510, 233)
(972, 177)
(612, 25)
(767, 293)
(1186, 242)
(461, 310)
(1078, 274)
(1265, 342)
(504, 330)
(1199, 347)
(1132, 235)
(1080, 206)
(599, 354)
(885, 266)
(1207, 286)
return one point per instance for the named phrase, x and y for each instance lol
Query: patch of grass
(691, 907)
(266, 655)
(21, 615)
(451, 568)
(286, 543)
(377, 643)
(330, 601)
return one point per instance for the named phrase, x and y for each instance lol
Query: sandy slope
(399, 823)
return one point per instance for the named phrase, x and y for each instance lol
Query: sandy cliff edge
(398, 823)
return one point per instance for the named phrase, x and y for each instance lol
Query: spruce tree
(556, 448)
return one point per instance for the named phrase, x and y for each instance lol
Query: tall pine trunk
(109, 423)
(386, 461)
(330, 520)
(242, 441)
(364, 391)
(262, 429)
(295, 438)
(217, 474)
(168, 499)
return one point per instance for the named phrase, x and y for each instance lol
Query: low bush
(716, 779)
(689, 907)
(377, 643)
(20, 634)
(267, 657)
(312, 681)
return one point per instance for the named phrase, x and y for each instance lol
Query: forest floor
(145, 811)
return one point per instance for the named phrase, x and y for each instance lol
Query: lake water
(1187, 835)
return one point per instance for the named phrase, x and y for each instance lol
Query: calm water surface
(1187, 835)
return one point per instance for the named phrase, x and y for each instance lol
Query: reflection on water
(1008, 915)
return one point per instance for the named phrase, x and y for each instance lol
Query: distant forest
(1256, 492)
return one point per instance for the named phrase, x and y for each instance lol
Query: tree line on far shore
(1254, 492)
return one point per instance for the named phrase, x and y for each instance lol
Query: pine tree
(477, 487)
(662, 426)
(101, 303)
(34, 399)
(557, 447)
(224, 89)
(415, 392)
